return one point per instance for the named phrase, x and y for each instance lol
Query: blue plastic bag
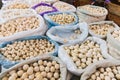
(7, 63)
(51, 23)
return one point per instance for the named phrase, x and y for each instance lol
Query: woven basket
(114, 12)
(114, 8)
(114, 18)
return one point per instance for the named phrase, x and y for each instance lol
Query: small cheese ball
(116, 35)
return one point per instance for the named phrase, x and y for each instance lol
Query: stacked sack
(91, 13)
(113, 39)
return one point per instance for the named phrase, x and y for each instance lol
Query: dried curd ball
(42, 9)
(84, 54)
(23, 50)
(18, 25)
(17, 6)
(93, 9)
(116, 34)
(36, 72)
(62, 18)
(101, 29)
(109, 73)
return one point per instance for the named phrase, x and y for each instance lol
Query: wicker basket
(114, 12)
(114, 8)
(114, 18)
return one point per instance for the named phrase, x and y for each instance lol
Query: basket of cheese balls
(103, 70)
(13, 52)
(40, 68)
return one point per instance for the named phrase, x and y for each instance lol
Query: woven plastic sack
(51, 23)
(64, 33)
(113, 42)
(7, 63)
(47, 5)
(13, 13)
(38, 31)
(91, 69)
(62, 6)
(88, 17)
(69, 62)
(113, 52)
(102, 22)
(63, 70)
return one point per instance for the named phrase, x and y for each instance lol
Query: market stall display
(100, 29)
(43, 8)
(44, 67)
(62, 6)
(89, 45)
(91, 13)
(13, 52)
(69, 34)
(61, 18)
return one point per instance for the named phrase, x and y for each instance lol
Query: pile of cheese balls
(23, 50)
(19, 24)
(116, 34)
(17, 6)
(61, 6)
(39, 70)
(101, 29)
(84, 54)
(109, 73)
(93, 10)
(62, 18)
(42, 9)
